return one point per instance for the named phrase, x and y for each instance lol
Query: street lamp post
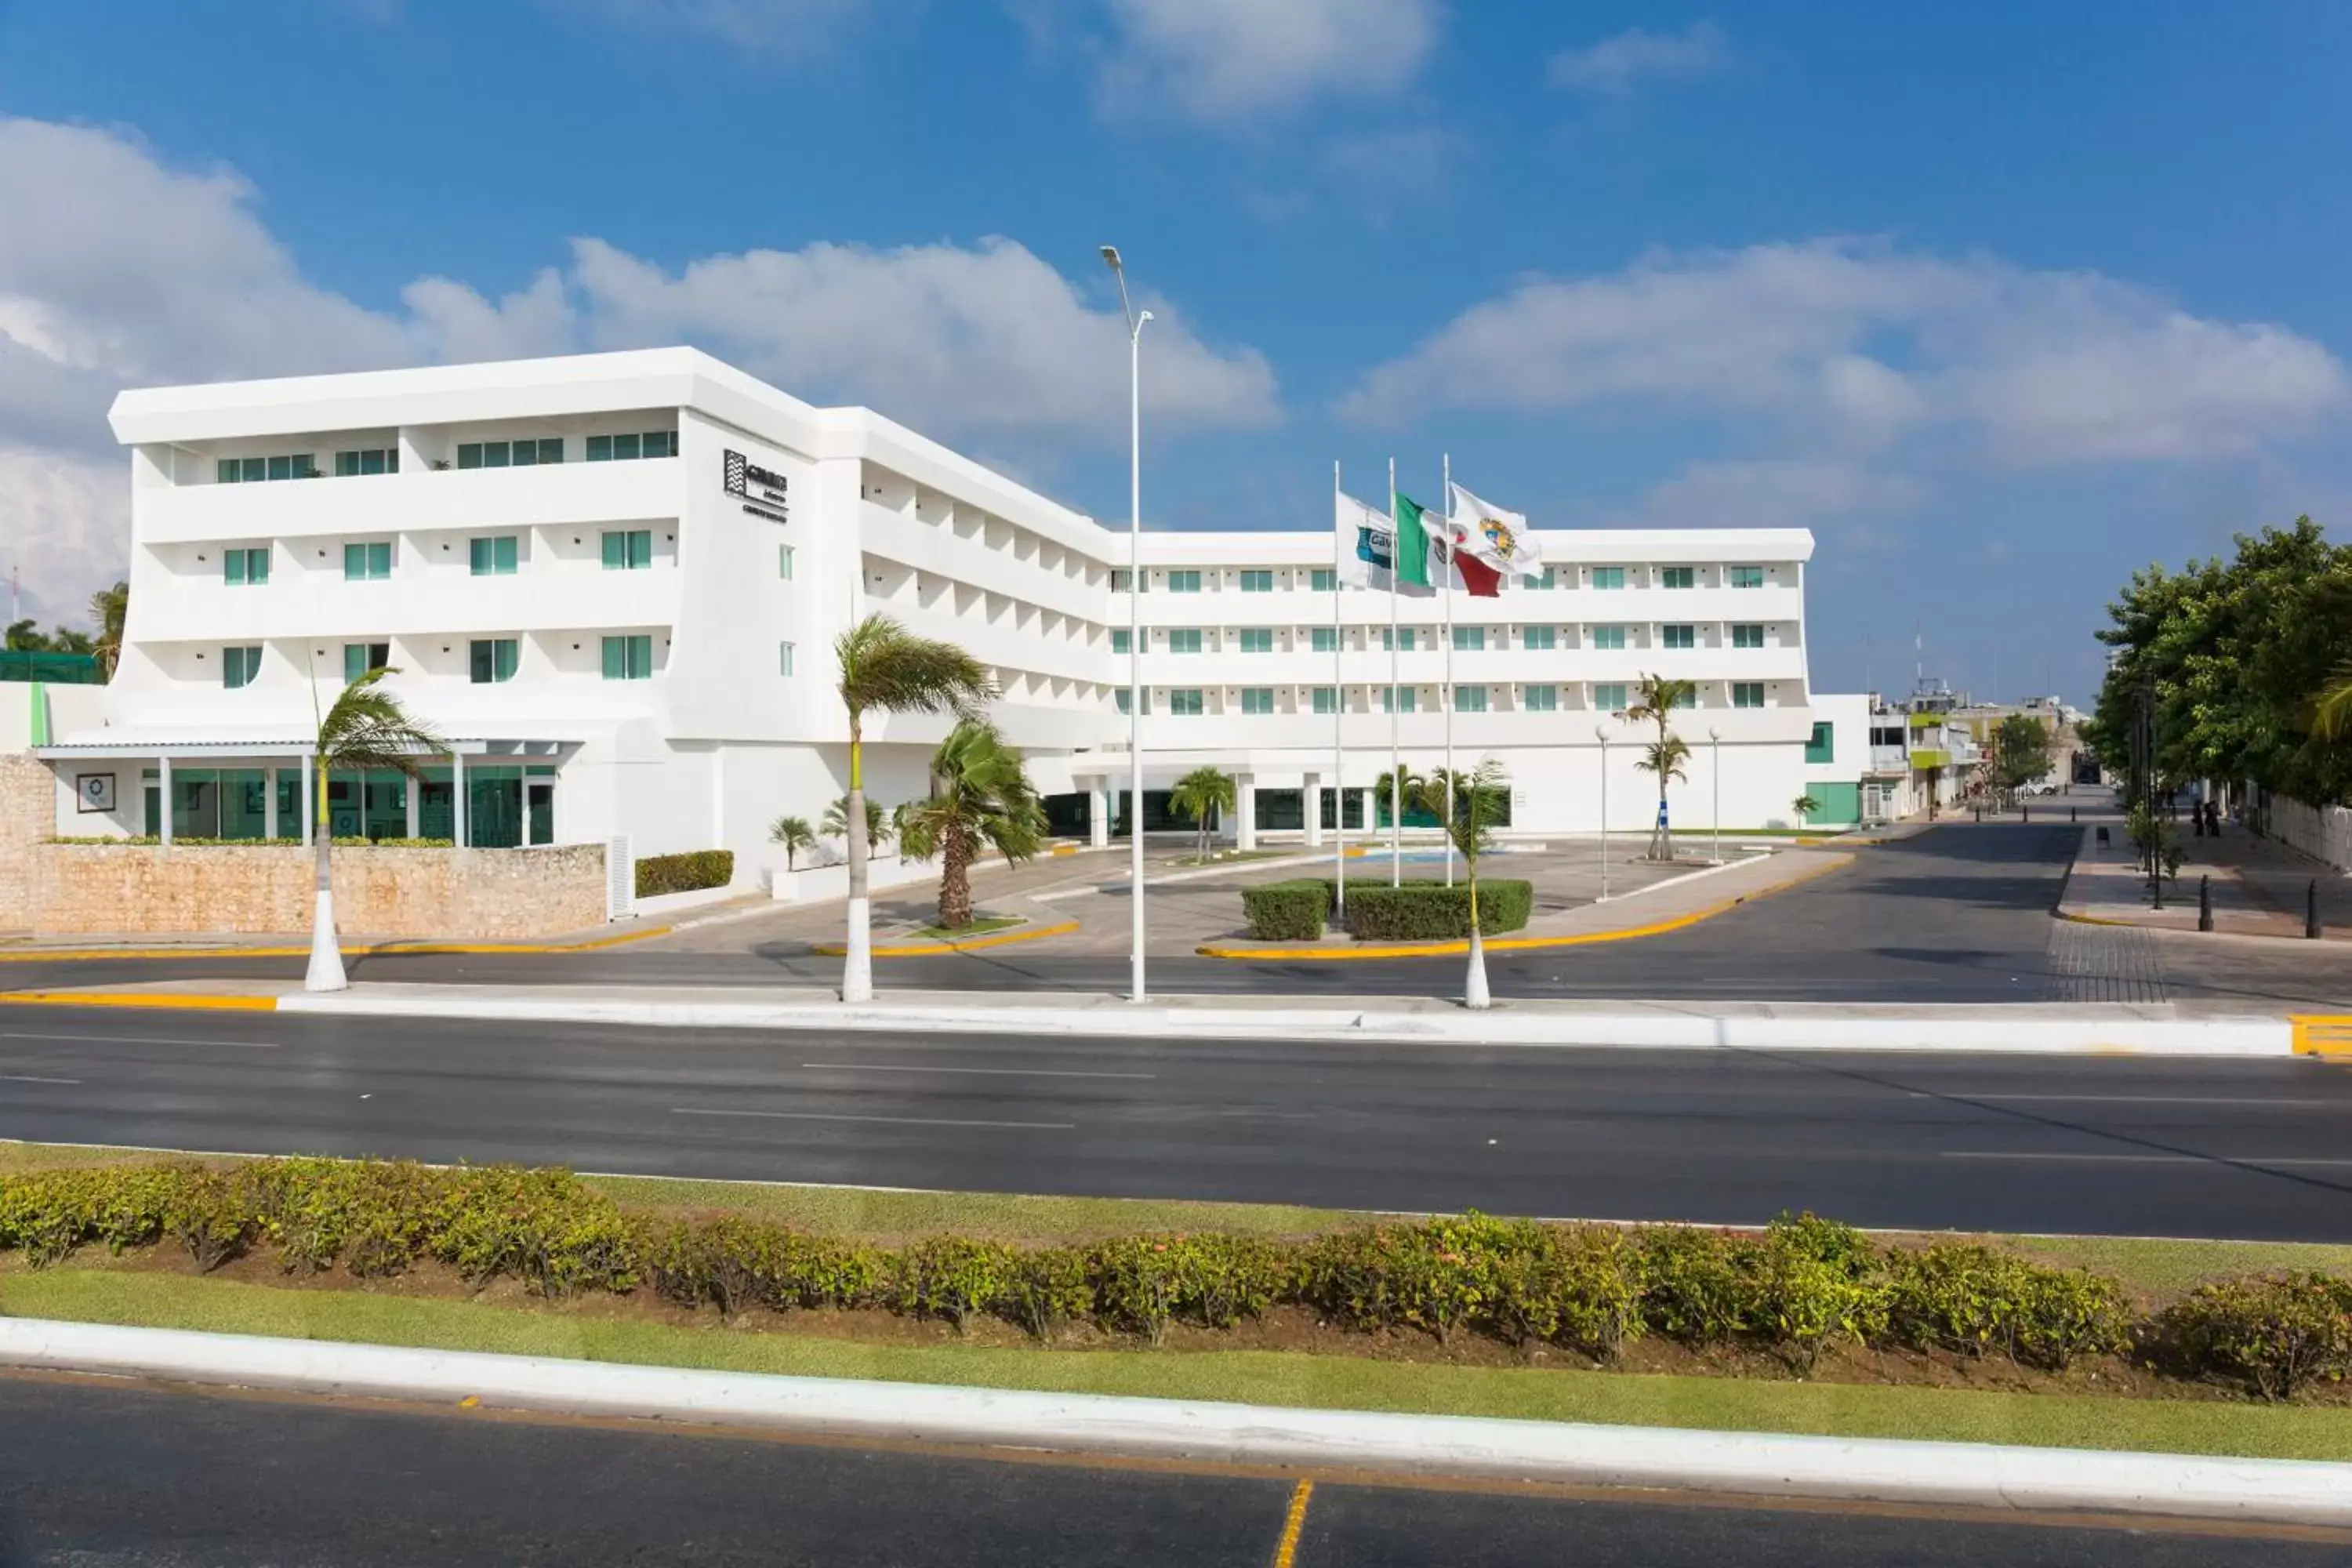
(1600, 734)
(1134, 615)
(1715, 766)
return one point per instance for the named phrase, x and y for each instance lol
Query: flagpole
(1448, 700)
(1338, 734)
(1396, 774)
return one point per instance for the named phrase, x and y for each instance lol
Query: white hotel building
(614, 581)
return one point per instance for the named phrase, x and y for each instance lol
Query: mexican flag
(1417, 533)
(1441, 540)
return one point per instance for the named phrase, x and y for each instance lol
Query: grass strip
(979, 926)
(1256, 1377)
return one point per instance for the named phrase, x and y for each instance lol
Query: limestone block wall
(28, 808)
(458, 895)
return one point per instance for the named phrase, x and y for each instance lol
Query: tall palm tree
(1477, 800)
(885, 669)
(1654, 701)
(1202, 794)
(108, 609)
(980, 794)
(367, 730)
(795, 834)
(1399, 789)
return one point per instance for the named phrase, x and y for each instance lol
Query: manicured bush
(1579, 1287)
(211, 1215)
(686, 873)
(542, 1226)
(1432, 911)
(2277, 1334)
(952, 1276)
(1288, 911)
(1047, 1288)
(1698, 1285)
(727, 1261)
(1814, 1282)
(374, 1216)
(1972, 1300)
(1139, 1283)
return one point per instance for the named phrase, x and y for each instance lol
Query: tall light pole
(1600, 734)
(1715, 766)
(1134, 613)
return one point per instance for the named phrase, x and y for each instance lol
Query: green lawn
(95, 1294)
(981, 926)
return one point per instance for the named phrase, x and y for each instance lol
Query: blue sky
(2002, 302)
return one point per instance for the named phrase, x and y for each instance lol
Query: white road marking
(2146, 1159)
(2157, 1100)
(27, 1077)
(140, 1040)
(890, 1121)
(978, 1072)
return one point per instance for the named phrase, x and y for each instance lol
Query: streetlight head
(1143, 316)
(1110, 255)
(1713, 733)
(1600, 734)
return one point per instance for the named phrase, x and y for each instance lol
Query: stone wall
(450, 894)
(28, 811)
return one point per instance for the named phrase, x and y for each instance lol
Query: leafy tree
(795, 834)
(836, 822)
(884, 668)
(367, 730)
(1804, 805)
(980, 794)
(1480, 800)
(26, 636)
(1204, 794)
(1654, 701)
(1398, 790)
(108, 608)
(2021, 753)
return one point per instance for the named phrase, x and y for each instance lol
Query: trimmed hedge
(685, 873)
(1432, 911)
(1794, 1290)
(1296, 910)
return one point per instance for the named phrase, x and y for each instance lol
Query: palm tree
(108, 609)
(836, 822)
(980, 794)
(2331, 711)
(1202, 794)
(1802, 804)
(885, 669)
(1399, 789)
(367, 730)
(1479, 799)
(795, 834)
(1654, 701)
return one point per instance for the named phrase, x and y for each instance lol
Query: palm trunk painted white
(326, 970)
(858, 963)
(1473, 988)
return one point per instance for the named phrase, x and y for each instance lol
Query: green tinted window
(1185, 703)
(1257, 699)
(1326, 639)
(1325, 579)
(1257, 639)
(1610, 696)
(1542, 699)
(1257, 582)
(1678, 637)
(1538, 637)
(1609, 576)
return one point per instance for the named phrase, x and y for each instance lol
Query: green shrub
(729, 1262)
(2277, 1334)
(1972, 1300)
(210, 1214)
(2070, 1312)
(543, 1226)
(1814, 1282)
(952, 1276)
(1139, 1283)
(1698, 1285)
(1432, 911)
(1232, 1278)
(1288, 911)
(686, 873)
(1047, 1288)
(1436, 1276)
(1580, 1287)
(826, 1271)
(374, 1216)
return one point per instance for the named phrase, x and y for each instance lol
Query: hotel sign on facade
(763, 490)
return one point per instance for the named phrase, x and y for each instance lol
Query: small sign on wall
(93, 791)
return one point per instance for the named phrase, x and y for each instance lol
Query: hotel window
(1747, 576)
(627, 449)
(1679, 578)
(1256, 581)
(1821, 746)
(629, 658)
(1469, 700)
(245, 568)
(1257, 698)
(1121, 579)
(1748, 636)
(370, 460)
(254, 470)
(1609, 638)
(784, 562)
(1118, 640)
(785, 659)
(1541, 700)
(492, 557)
(1678, 637)
(509, 454)
(1326, 699)
(1396, 699)
(1609, 576)
(1608, 696)
(1183, 581)
(493, 660)
(628, 550)
(1469, 639)
(1325, 639)
(1257, 639)
(1748, 694)
(1396, 640)
(367, 563)
(239, 667)
(1125, 698)
(1184, 701)
(1184, 639)
(358, 657)
(1324, 580)
(1540, 638)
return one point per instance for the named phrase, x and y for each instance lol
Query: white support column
(411, 790)
(1098, 815)
(1245, 811)
(269, 805)
(163, 799)
(1367, 808)
(458, 799)
(1311, 792)
(309, 805)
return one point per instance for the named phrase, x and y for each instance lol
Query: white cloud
(768, 25)
(1850, 345)
(1233, 60)
(64, 520)
(1621, 63)
(1771, 493)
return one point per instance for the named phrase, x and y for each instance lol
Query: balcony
(587, 494)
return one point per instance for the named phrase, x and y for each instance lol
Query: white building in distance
(613, 582)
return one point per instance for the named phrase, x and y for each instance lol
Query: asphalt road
(2132, 1146)
(1959, 913)
(132, 1475)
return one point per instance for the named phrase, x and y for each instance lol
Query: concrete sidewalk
(2259, 887)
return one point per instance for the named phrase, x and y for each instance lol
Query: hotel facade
(613, 583)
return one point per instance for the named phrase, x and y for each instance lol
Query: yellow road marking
(1522, 943)
(372, 950)
(140, 999)
(918, 949)
(2323, 1034)
(1285, 1550)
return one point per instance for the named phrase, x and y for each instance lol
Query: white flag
(1366, 545)
(1501, 539)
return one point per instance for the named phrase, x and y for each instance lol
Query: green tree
(2021, 753)
(884, 668)
(367, 730)
(795, 834)
(108, 608)
(980, 794)
(835, 821)
(1654, 701)
(1804, 805)
(1480, 800)
(1203, 795)
(1397, 791)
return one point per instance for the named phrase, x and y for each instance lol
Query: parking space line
(1285, 1550)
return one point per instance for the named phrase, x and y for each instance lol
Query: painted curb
(397, 947)
(1888, 1470)
(968, 944)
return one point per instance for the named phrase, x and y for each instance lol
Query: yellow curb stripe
(2323, 1034)
(1285, 1550)
(1523, 943)
(920, 949)
(140, 999)
(374, 950)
